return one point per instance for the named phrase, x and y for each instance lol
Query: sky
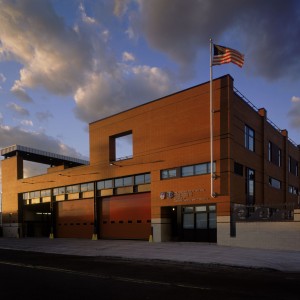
(66, 63)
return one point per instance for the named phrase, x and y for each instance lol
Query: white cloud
(20, 93)
(296, 99)
(85, 17)
(53, 55)
(18, 109)
(120, 7)
(43, 116)
(108, 93)
(2, 78)
(294, 112)
(128, 56)
(34, 139)
(27, 123)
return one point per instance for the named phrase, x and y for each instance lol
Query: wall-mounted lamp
(114, 164)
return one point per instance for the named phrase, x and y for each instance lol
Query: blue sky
(65, 63)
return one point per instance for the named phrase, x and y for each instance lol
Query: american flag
(224, 55)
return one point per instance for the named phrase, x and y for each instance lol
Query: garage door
(126, 217)
(75, 219)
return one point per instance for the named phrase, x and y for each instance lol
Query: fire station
(160, 189)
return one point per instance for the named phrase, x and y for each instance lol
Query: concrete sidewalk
(288, 261)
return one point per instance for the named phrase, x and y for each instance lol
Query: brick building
(161, 187)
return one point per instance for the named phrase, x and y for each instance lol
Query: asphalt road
(49, 276)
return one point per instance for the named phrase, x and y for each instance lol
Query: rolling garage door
(126, 217)
(74, 219)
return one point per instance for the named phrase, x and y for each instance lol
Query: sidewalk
(288, 261)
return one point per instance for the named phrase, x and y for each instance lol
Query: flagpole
(211, 125)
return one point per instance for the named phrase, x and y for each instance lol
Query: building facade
(149, 175)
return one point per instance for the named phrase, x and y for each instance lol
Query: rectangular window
(250, 186)
(293, 166)
(105, 184)
(293, 190)
(274, 154)
(124, 181)
(142, 179)
(121, 146)
(85, 187)
(45, 193)
(198, 169)
(35, 194)
(170, 173)
(72, 189)
(274, 183)
(238, 169)
(59, 191)
(249, 138)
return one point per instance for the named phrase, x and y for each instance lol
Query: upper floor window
(198, 169)
(121, 146)
(293, 166)
(274, 183)
(249, 138)
(274, 154)
(238, 169)
(169, 173)
(142, 179)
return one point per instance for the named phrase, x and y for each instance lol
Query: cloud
(128, 56)
(85, 17)
(20, 93)
(43, 116)
(180, 29)
(18, 109)
(2, 78)
(34, 139)
(294, 113)
(296, 99)
(53, 55)
(106, 94)
(27, 123)
(120, 7)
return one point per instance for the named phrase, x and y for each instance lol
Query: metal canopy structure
(42, 157)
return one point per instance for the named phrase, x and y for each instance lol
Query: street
(47, 276)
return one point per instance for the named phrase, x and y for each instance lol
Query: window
(121, 146)
(35, 194)
(124, 181)
(293, 166)
(274, 183)
(142, 179)
(59, 191)
(238, 169)
(198, 169)
(274, 154)
(250, 186)
(293, 190)
(72, 189)
(105, 184)
(85, 187)
(170, 173)
(249, 138)
(45, 193)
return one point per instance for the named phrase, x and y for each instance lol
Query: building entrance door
(199, 223)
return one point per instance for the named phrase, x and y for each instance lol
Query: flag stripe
(224, 55)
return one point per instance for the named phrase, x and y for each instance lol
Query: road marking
(103, 276)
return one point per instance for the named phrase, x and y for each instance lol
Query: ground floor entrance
(193, 223)
(36, 220)
(126, 216)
